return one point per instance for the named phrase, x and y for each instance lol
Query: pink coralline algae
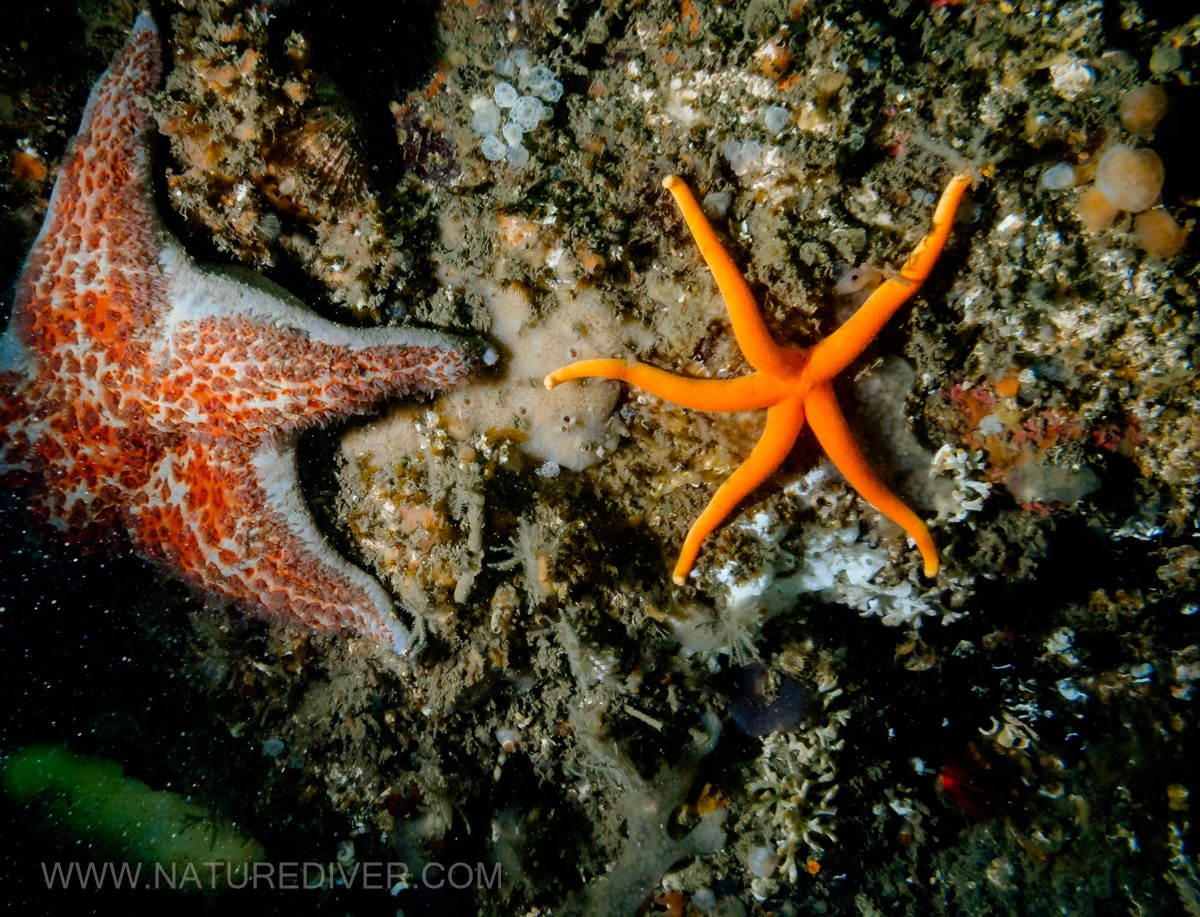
(141, 392)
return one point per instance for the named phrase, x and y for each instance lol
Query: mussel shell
(316, 167)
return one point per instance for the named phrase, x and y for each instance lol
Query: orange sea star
(791, 383)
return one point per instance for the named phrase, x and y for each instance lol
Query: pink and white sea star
(142, 392)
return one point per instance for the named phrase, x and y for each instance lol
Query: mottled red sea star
(142, 392)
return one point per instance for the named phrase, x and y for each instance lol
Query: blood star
(142, 392)
(791, 383)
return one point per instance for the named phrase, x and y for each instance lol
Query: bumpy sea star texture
(141, 392)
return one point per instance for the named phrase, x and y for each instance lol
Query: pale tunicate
(1059, 177)
(512, 133)
(493, 148)
(485, 117)
(505, 95)
(762, 862)
(517, 155)
(776, 118)
(527, 112)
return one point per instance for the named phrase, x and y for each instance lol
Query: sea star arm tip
(833, 433)
(916, 269)
(784, 422)
(751, 332)
(830, 356)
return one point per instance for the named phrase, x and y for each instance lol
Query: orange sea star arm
(832, 432)
(752, 392)
(748, 327)
(921, 261)
(836, 352)
(784, 422)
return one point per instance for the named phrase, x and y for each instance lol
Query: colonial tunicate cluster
(511, 112)
(1130, 179)
(1126, 179)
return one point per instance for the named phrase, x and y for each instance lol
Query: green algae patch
(78, 799)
